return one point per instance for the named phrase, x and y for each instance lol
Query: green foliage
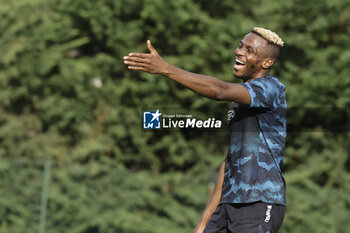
(100, 196)
(65, 94)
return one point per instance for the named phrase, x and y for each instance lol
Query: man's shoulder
(274, 81)
(268, 84)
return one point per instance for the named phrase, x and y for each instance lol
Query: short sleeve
(264, 92)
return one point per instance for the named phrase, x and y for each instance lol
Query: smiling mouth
(238, 64)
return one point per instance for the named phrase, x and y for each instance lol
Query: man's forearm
(213, 203)
(202, 84)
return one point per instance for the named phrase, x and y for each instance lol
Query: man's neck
(258, 75)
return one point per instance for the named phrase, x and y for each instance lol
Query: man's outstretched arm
(202, 84)
(213, 203)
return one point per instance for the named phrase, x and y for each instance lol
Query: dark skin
(254, 58)
(253, 51)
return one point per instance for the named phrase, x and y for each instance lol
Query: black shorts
(257, 217)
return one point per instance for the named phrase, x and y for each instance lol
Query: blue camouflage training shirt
(256, 135)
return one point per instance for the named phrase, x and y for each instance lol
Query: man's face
(249, 56)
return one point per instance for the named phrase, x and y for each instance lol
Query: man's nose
(239, 51)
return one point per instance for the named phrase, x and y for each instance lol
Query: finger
(136, 59)
(139, 68)
(151, 48)
(143, 55)
(133, 63)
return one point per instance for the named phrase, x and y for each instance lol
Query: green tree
(65, 94)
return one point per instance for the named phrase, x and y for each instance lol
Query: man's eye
(250, 50)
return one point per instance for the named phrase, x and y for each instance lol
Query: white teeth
(239, 62)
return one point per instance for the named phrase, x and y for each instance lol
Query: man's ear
(268, 62)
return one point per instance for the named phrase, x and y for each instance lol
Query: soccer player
(249, 196)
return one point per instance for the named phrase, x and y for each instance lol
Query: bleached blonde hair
(269, 35)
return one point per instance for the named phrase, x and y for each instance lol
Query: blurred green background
(66, 97)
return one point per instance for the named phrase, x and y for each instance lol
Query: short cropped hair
(270, 36)
(273, 41)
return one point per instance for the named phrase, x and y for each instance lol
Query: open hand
(147, 62)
